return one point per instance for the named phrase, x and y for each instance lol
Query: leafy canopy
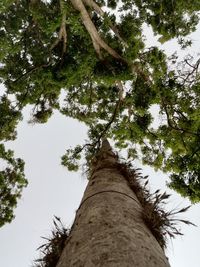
(12, 181)
(95, 52)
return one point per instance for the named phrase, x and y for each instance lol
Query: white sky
(52, 190)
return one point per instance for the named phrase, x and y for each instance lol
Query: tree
(110, 78)
(119, 222)
(109, 228)
(12, 181)
(12, 178)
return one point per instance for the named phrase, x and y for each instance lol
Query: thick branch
(98, 42)
(91, 3)
(99, 10)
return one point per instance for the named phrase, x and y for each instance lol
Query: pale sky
(52, 190)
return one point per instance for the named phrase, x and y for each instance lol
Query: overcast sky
(52, 190)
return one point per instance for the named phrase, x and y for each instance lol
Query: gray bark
(108, 230)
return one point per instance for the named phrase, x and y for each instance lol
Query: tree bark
(108, 230)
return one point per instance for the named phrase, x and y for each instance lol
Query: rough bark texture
(108, 230)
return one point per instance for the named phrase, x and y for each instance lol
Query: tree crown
(95, 52)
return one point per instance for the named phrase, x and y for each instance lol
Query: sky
(52, 190)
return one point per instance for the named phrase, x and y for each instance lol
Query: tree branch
(191, 73)
(62, 35)
(175, 127)
(98, 9)
(98, 42)
(102, 134)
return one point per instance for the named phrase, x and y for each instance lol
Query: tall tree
(109, 229)
(119, 222)
(109, 77)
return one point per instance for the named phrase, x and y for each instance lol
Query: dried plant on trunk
(52, 249)
(162, 223)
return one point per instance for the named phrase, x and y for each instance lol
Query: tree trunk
(108, 230)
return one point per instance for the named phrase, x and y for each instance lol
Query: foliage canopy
(95, 52)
